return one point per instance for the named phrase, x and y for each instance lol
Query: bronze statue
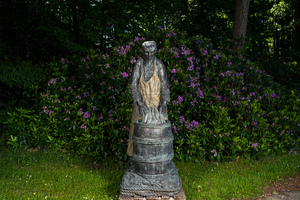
(150, 170)
(149, 89)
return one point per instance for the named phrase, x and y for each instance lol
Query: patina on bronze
(150, 171)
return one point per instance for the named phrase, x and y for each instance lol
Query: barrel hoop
(159, 158)
(152, 141)
(144, 125)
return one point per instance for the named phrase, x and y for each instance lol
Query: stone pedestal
(151, 173)
(179, 196)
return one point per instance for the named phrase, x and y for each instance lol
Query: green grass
(243, 178)
(52, 175)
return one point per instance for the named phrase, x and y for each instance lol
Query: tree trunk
(75, 22)
(296, 34)
(240, 23)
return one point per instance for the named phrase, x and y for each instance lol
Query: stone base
(179, 196)
(133, 183)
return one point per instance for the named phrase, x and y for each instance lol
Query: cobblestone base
(179, 196)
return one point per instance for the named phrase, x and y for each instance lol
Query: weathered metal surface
(152, 148)
(152, 171)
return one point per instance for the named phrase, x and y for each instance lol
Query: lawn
(42, 174)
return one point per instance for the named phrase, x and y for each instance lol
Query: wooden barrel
(152, 148)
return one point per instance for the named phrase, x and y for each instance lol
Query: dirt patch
(288, 184)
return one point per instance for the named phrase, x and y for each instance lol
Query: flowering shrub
(221, 106)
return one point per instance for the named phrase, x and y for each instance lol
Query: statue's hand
(163, 109)
(143, 108)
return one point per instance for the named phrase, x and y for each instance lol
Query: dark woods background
(35, 32)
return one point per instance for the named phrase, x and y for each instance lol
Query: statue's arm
(134, 81)
(165, 88)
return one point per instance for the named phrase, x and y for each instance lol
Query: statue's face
(148, 55)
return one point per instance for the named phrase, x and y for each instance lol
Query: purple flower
(193, 85)
(87, 115)
(122, 51)
(189, 126)
(201, 95)
(83, 126)
(214, 152)
(88, 76)
(186, 52)
(78, 97)
(173, 33)
(173, 71)
(80, 111)
(124, 74)
(136, 39)
(52, 80)
(180, 98)
(273, 95)
(175, 103)
(191, 67)
(232, 92)
(100, 117)
(86, 94)
(181, 119)
(195, 123)
(159, 27)
(175, 129)
(254, 145)
(204, 53)
(132, 61)
(217, 56)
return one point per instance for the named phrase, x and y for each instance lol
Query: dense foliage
(221, 106)
(36, 32)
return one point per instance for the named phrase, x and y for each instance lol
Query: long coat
(138, 70)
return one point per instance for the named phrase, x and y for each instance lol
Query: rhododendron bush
(222, 106)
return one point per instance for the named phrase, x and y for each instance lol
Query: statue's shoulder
(139, 61)
(159, 62)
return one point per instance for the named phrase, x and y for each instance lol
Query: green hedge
(221, 106)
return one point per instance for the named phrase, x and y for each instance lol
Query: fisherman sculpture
(149, 89)
(150, 170)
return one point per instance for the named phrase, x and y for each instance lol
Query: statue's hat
(149, 46)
